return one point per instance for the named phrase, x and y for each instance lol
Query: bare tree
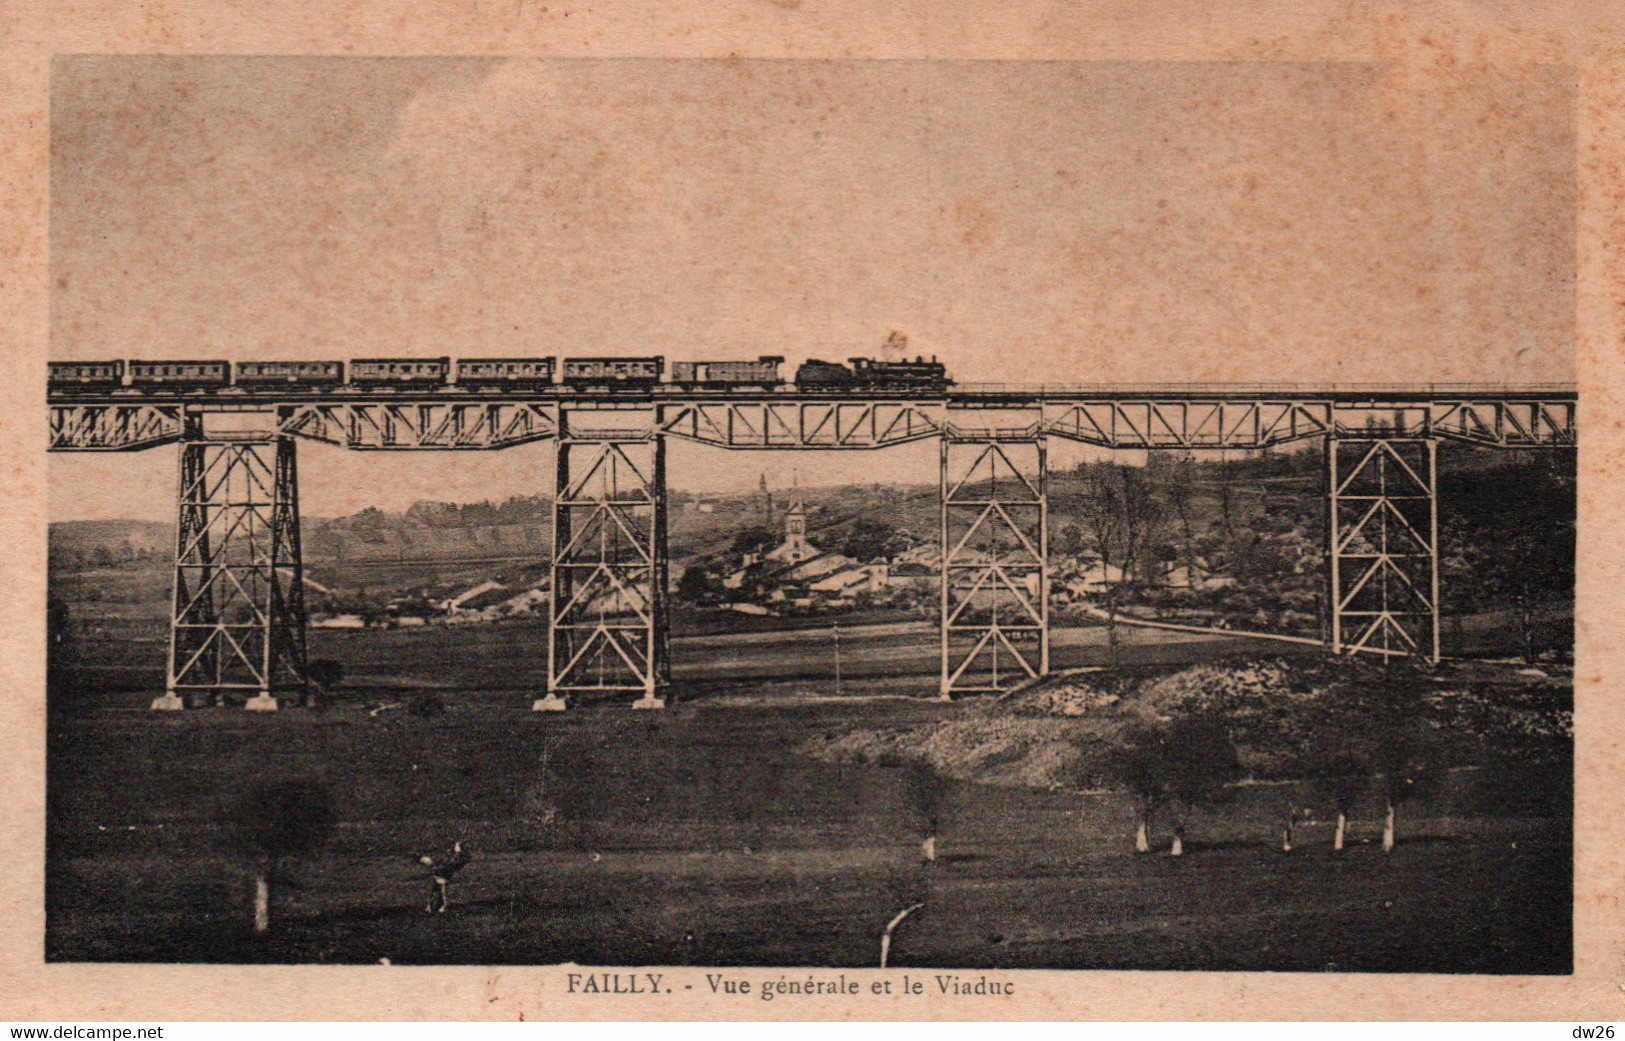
(1179, 482)
(1142, 520)
(1102, 513)
(1123, 517)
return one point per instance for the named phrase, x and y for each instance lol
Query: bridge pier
(994, 585)
(607, 613)
(1383, 545)
(237, 620)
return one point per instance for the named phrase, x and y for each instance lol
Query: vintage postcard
(917, 520)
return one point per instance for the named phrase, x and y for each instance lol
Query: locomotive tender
(725, 375)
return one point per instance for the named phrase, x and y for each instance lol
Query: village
(809, 560)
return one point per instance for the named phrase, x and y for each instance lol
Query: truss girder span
(430, 426)
(607, 610)
(994, 582)
(1384, 546)
(1149, 423)
(113, 428)
(1242, 424)
(803, 424)
(237, 622)
(1490, 423)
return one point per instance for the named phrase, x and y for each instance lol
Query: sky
(1022, 221)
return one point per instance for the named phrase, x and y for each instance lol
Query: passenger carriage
(84, 375)
(500, 373)
(178, 375)
(399, 373)
(613, 374)
(289, 373)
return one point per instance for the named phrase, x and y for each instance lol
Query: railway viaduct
(238, 618)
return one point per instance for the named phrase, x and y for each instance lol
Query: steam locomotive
(869, 374)
(575, 375)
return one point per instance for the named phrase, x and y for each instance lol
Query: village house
(1090, 576)
(340, 621)
(462, 600)
(1194, 576)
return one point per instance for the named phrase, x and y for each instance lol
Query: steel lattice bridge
(238, 620)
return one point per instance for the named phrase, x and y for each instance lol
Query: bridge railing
(1276, 390)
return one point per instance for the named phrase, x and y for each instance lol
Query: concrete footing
(551, 703)
(169, 701)
(260, 703)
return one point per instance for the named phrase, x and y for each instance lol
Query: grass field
(123, 653)
(700, 836)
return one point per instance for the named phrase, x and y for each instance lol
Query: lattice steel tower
(238, 610)
(607, 608)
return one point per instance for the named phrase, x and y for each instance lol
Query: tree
(753, 539)
(1508, 539)
(1526, 569)
(1179, 481)
(1101, 512)
(927, 791)
(1342, 777)
(1404, 770)
(1124, 518)
(1140, 762)
(1398, 741)
(700, 584)
(1071, 540)
(1142, 520)
(868, 540)
(323, 675)
(273, 823)
(1202, 765)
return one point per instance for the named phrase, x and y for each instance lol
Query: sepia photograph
(954, 515)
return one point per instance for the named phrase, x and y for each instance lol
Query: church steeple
(796, 548)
